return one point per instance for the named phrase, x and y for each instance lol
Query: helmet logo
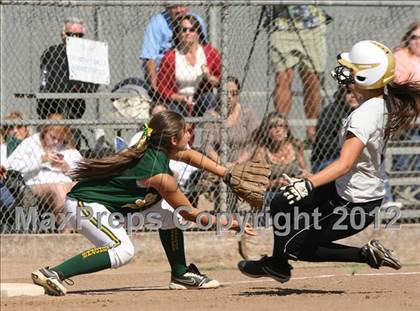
(366, 66)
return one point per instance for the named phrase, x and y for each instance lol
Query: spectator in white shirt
(44, 160)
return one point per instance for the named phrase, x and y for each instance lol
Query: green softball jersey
(121, 193)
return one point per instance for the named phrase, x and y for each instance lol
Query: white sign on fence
(88, 60)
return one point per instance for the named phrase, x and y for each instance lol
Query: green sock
(173, 243)
(91, 260)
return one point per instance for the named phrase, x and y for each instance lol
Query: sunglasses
(75, 34)
(414, 37)
(277, 125)
(188, 29)
(15, 127)
(233, 93)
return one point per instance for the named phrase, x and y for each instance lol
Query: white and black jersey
(365, 182)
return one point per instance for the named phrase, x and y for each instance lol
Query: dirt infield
(142, 286)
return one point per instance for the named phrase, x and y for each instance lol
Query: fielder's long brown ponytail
(158, 134)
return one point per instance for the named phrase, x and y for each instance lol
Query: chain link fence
(252, 80)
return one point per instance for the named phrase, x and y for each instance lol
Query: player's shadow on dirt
(263, 291)
(108, 291)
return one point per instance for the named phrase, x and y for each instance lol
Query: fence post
(224, 112)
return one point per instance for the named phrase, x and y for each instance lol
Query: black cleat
(377, 256)
(266, 267)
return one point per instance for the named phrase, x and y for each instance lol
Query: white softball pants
(95, 222)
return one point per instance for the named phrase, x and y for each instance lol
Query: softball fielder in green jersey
(137, 179)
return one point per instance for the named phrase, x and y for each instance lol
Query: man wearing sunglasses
(158, 40)
(55, 76)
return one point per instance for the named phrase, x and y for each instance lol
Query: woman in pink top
(190, 71)
(407, 55)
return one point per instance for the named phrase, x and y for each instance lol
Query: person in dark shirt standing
(327, 146)
(55, 77)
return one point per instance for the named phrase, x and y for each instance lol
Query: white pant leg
(163, 213)
(92, 221)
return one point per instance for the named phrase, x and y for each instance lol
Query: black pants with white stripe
(307, 231)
